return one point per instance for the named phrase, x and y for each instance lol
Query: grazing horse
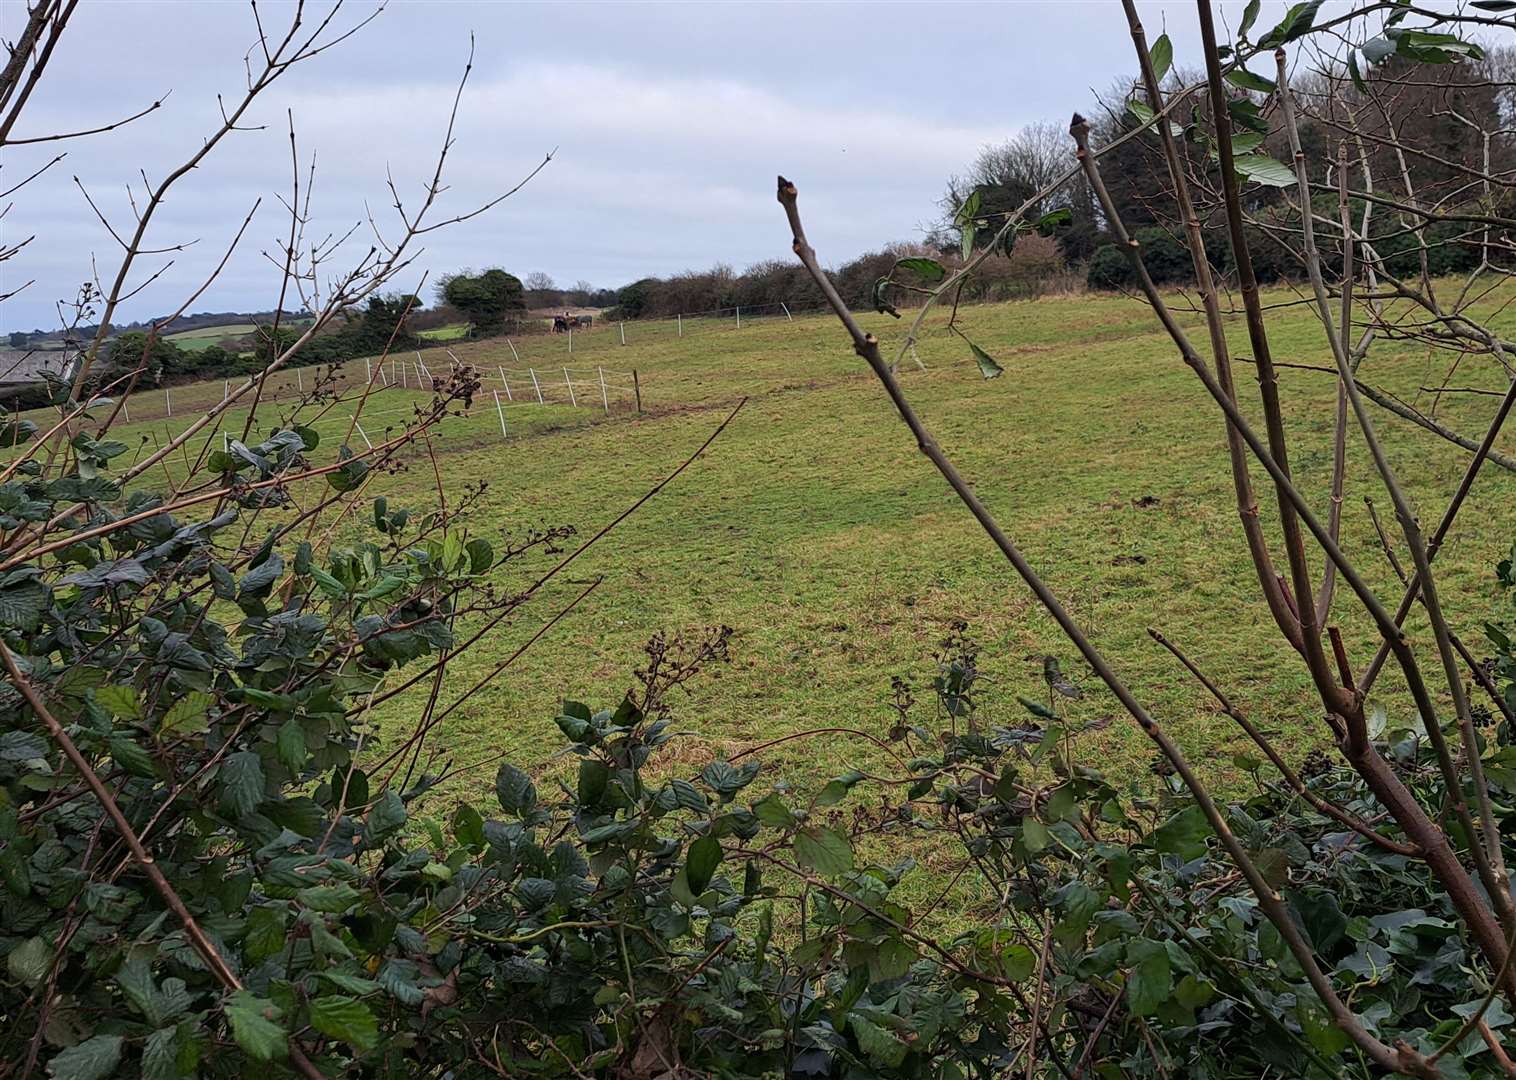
(584, 321)
(560, 324)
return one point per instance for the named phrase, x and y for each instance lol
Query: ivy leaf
(93, 1059)
(253, 1026)
(1150, 981)
(1162, 57)
(1184, 834)
(704, 856)
(823, 850)
(346, 1018)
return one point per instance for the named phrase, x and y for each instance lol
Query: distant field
(204, 337)
(816, 530)
(445, 333)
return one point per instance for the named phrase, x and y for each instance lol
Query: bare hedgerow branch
(1402, 1058)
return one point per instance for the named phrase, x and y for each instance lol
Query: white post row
(501, 411)
(535, 384)
(570, 384)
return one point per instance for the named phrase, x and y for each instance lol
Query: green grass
(203, 337)
(815, 528)
(451, 332)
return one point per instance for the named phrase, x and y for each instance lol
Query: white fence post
(299, 382)
(570, 384)
(739, 318)
(361, 432)
(623, 332)
(571, 341)
(368, 370)
(125, 411)
(604, 398)
(787, 314)
(226, 389)
(168, 405)
(499, 410)
(680, 324)
(535, 384)
(514, 353)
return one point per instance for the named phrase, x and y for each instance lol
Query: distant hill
(237, 322)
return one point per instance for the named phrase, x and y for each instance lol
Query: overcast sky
(670, 121)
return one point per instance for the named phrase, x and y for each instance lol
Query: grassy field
(453, 332)
(204, 337)
(815, 529)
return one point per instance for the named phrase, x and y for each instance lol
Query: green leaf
(1320, 1029)
(1249, 17)
(253, 1026)
(1017, 962)
(823, 850)
(265, 934)
(593, 779)
(186, 714)
(1184, 834)
(771, 810)
(1162, 57)
(1150, 980)
(120, 700)
(987, 366)
(879, 1044)
(1296, 23)
(93, 1059)
(386, 817)
(290, 745)
(30, 961)
(704, 856)
(242, 784)
(929, 269)
(345, 1018)
(515, 790)
(1244, 79)
(1034, 835)
(1262, 169)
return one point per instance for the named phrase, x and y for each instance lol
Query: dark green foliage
(492, 301)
